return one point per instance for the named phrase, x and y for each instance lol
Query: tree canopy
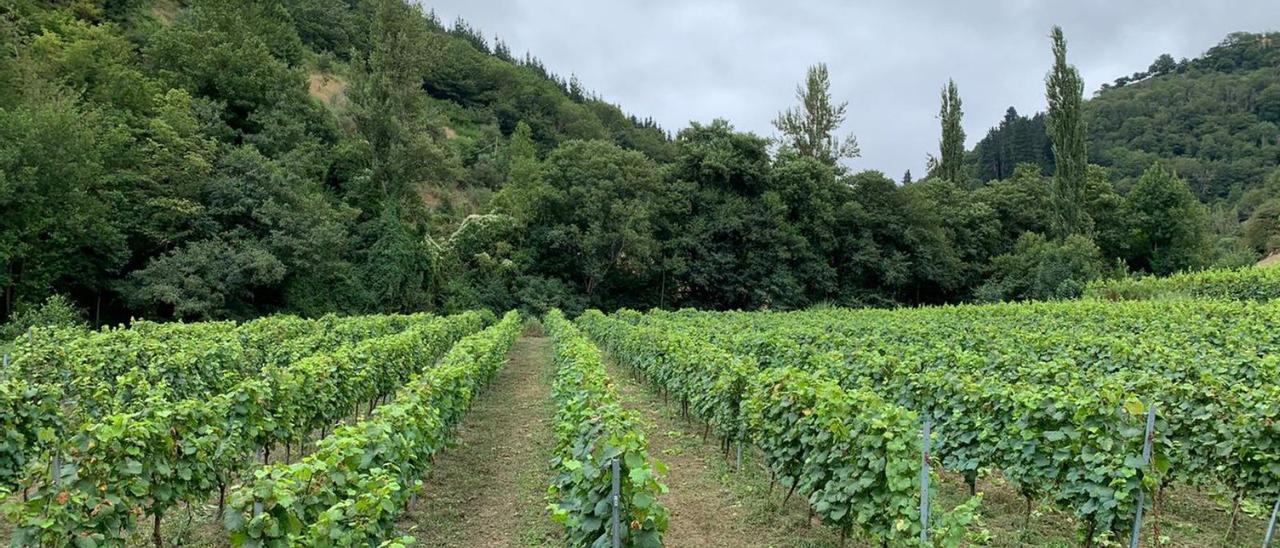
(226, 159)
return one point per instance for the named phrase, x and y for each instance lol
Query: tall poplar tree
(810, 128)
(952, 144)
(1065, 125)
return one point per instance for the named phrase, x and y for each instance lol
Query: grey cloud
(680, 61)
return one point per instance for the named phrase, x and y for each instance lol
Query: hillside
(209, 159)
(1214, 119)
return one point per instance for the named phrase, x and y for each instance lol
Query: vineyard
(106, 428)
(1052, 397)
(888, 427)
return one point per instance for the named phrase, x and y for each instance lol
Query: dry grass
(1271, 260)
(165, 11)
(327, 88)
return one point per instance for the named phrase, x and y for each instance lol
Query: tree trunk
(156, 538)
(1235, 515)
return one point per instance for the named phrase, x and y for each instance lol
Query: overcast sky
(680, 60)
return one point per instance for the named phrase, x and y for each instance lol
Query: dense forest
(202, 159)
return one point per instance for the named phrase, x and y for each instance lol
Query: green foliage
(1169, 227)
(1017, 140)
(399, 268)
(854, 455)
(851, 453)
(591, 220)
(1043, 269)
(951, 159)
(706, 380)
(1065, 427)
(54, 174)
(1066, 128)
(218, 159)
(592, 430)
(810, 128)
(1243, 284)
(389, 110)
(170, 161)
(177, 443)
(1222, 105)
(56, 311)
(29, 414)
(358, 481)
(727, 241)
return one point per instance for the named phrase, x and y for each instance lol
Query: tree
(524, 175)
(1164, 64)
(1066, 127)
(1017, 140)
(208, 279)
(592, 225)
(59, 231)
(1169, 226)
(906, 178)
(951, 161)
(1020, 202)
(389, 111)
(810, 127)
(399, 270)
(726, 239)
(1043, 269)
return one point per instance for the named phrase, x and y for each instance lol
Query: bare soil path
(712, 504)
(490, 490)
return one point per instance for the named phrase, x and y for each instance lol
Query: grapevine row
(129, 464)
(592, 432)
(350, 491)
(61, 379)
(1064, 420)
(851, 454)
(1246, 283)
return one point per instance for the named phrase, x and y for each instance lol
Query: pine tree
(952, 144)
(1065, 125)
(576, 93)
(810, 128)
(906, 178)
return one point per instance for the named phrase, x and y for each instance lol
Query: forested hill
(1215, 120)
(202, 159)
(214, 158)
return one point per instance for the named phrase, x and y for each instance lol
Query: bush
(56, 311)
(1043, 269)
(1242, 284)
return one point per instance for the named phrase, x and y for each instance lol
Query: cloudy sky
(680, 61)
